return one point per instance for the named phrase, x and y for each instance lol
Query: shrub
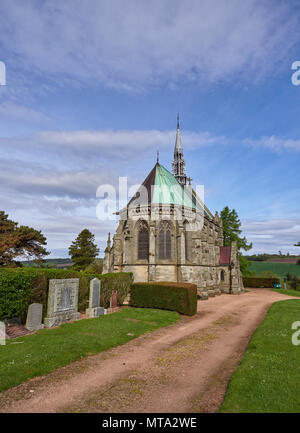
(294, 282)
(21, 287)
(180, 297)
(268, 274)
(96, 266)
(260, 281)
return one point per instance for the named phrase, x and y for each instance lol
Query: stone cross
(94, 309)
(114, 299)
(62, 301)
(34, 317)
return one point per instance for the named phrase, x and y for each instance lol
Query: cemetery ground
(26, 357)
(183, 367)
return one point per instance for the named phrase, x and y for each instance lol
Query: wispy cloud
(273, 235)
(22, 113)
(131, 45)
(91, 148)
(275, 144)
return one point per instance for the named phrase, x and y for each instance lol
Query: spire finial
(177, 120)
(157, 157)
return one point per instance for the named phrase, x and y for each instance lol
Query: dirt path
(184, 367)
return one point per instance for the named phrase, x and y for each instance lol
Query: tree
(244, 267)
(297, 244)
(83, 250)
(19, 241)
(96, 267)
(232, 231)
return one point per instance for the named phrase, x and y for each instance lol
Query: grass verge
(48, 349)
(267, 380)
(289, 292)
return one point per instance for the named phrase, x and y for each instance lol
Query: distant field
(285, 260)
(280, 269)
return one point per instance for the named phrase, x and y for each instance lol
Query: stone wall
(200, 265)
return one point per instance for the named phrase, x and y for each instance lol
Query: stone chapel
(166, 233)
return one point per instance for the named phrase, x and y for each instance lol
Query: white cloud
(270, 236)
(124, 143)
(275, 144)
(20, 112)
(99, 149)
(132, 44)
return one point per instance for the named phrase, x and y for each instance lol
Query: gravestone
(114, 299)
(94, 309)
(34, 317)
(62, 301)
(2, 334)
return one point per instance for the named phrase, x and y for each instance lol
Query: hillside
(280, 269)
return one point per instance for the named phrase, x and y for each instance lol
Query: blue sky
(93, 90)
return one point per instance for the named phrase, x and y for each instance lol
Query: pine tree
(83, 250)
(19, 241)
(232, 231)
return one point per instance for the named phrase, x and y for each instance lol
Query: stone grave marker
(62, 301)
(34, 317)
(94, 309)
(114, 299)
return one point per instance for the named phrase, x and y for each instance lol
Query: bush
(180, 297)
(260, 281)
(268, 274)
(294, 282)
(21, 287)
(96, 266)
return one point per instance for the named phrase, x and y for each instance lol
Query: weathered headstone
(114, 299)
(94, 309)
(62, 301)
(34, 317)
(2, 334)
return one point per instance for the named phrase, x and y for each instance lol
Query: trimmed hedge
(20, 287)
(180, 297)
(260, 282)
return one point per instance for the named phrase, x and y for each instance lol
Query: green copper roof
(161, 187)
(167, 190)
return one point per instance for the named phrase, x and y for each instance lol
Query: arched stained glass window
(143, 240)
(165, 240)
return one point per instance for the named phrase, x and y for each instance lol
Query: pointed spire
(179, 163)
(157, 157)
(178, 145)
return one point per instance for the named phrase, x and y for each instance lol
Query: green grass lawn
(48, 349)
(289, 292)
(280, 269)
(268, 378)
